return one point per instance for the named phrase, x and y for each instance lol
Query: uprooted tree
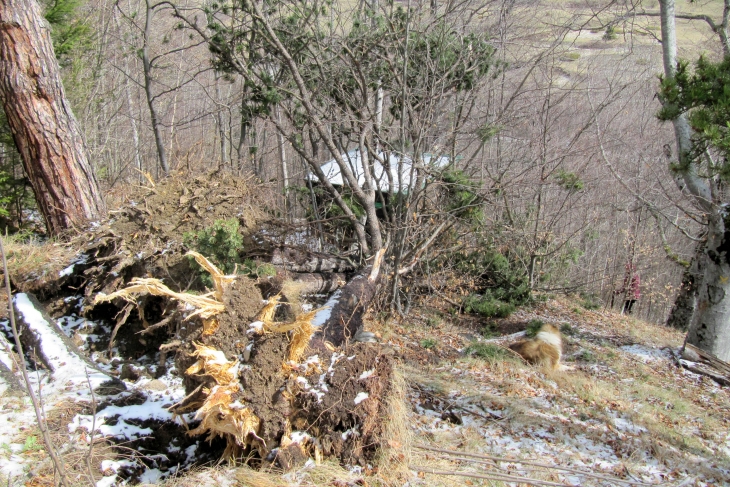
(270, 388)
(274, 383)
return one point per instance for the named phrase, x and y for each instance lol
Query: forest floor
(462, 410)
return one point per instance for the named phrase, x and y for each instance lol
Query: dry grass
(81, 462)
(34, 261)
(397, 441)
(681, 419)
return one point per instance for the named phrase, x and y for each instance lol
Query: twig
(160, 324)
(533, 464)
(120, 321)
(502, 477)
(180, 404)
(42, 425)
(93, 428)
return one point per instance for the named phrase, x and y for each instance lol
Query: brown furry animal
(545, 349)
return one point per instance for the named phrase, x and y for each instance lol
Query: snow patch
(324, 314)
(366, 374)
(361, 396)
(646, 354)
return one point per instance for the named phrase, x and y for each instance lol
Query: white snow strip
(361, 396)
(5, 357)
(324, 314)
(299, 436)
(69, 370)
(150, 476)
(107, 481)
(256, 327)
(82, 259)
(115, 465)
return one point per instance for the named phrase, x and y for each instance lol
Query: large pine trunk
(44, 129)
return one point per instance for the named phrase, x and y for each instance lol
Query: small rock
(690, 355)
(365, 337)
(132, 372)
(154, 385)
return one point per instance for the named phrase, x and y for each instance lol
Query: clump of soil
(348, 420)
(144, 239)
(145, 236)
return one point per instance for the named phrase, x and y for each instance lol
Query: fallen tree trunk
(46, 345)
(302, 260)
(343, 321)
(319, 283)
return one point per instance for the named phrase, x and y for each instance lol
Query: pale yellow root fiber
(213, 363)
(220, 280)
(219, 418)
(207, 307)
(266, 314)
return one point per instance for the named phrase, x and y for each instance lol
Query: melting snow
(70, 370)
(82, 259)
(646, 354)
(324, 314)
(366, 374)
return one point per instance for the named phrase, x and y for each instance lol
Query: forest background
(558, 162)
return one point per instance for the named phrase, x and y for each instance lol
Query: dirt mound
(254, 378)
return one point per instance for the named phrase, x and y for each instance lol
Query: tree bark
(710, 325)
(43, 126)
(685, 303)
(709, 328)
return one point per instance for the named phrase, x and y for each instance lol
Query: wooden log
(319, 283)
(702, 362)
(708, 358)
(344, 320)
(300, 260)
(50, 348)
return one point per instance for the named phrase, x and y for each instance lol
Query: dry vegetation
(461, 414)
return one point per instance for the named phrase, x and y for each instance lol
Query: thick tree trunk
(40, 118)
(710, 325)
(685, 304)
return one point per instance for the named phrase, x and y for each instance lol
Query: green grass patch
(428, 343)
(488, 351)
(567, 329)
(31, 444)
